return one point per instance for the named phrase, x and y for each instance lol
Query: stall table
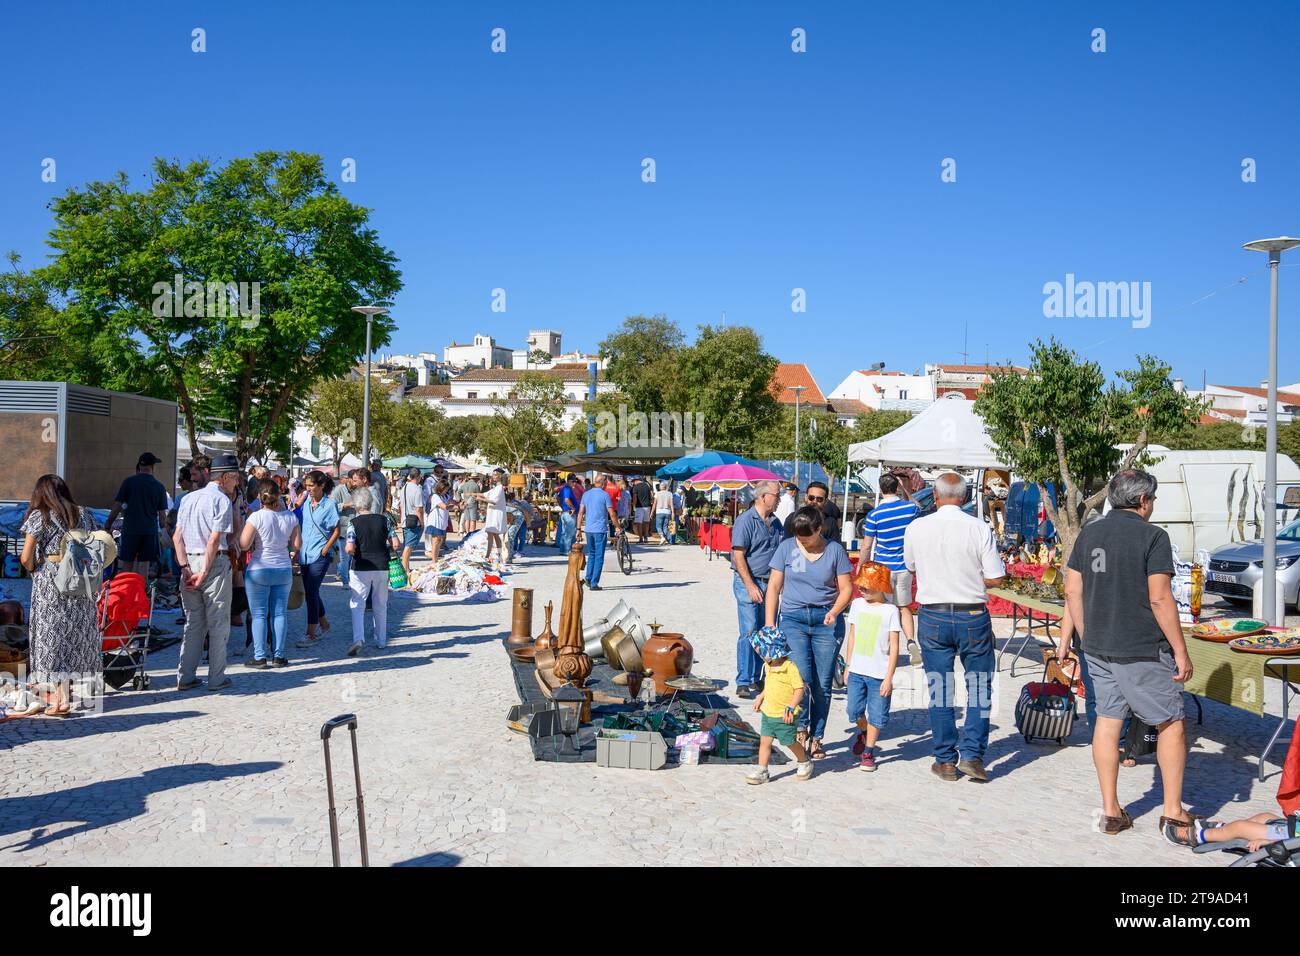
(715, 537)
(1050, 611)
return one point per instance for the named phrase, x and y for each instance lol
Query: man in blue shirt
(596, 518)
(754, 540)
(882, 541)
(566, 529)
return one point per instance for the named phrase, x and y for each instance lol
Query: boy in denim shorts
(872, 655)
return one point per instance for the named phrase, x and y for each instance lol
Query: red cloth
(1288, 791)
(716, 535)
(1000, 607)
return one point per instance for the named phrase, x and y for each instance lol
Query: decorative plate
(1224, 629)
(1277, 643)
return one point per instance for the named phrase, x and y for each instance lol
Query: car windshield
(1291, 532)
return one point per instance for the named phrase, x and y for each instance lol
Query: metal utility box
(91, 437)
(631, 749)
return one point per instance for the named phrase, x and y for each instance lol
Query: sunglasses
(816, 497)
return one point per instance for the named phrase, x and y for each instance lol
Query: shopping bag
(296, 592)
(396, 574)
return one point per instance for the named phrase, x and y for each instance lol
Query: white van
(1207, 499)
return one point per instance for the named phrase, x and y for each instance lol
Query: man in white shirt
(204, 522)
(955, 559)
(786, 506)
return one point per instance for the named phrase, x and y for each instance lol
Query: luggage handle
(350, 721)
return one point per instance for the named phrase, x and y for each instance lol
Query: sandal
(815, 751)
(1112, 826)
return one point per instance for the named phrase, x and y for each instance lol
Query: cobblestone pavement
(237, 777)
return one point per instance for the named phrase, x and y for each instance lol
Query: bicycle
(624, 553)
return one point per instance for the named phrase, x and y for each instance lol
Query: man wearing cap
(145, 500)
(410, 515)
(788, 505)
(204, 524)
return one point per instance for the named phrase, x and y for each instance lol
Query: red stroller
(125, 614)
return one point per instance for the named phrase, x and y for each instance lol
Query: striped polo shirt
(886, 523)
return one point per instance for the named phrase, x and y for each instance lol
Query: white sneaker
(803, 771)
(757, 777)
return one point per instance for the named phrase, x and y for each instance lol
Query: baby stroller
(124, 610)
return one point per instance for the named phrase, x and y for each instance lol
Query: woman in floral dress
(64, 636)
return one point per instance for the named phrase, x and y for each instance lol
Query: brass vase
(521, 620)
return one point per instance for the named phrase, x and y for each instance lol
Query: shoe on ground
(354, 649)
(225, 682)
(867, 762)
(746, 691)
(594, 587)
(975, 770)
(189, 684)
(1113, 826)
(860, 745)
(803, 771)
(256, 664)
(757, 777)
(279, 662)
(307, 642)
(944, 771)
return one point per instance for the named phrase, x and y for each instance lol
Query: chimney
(1179, 387)
(422, 374)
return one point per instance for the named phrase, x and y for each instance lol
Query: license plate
(1225, 578)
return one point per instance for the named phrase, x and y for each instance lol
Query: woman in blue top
(320, 531)
(810, 587)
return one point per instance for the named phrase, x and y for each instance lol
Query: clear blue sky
(775, 170)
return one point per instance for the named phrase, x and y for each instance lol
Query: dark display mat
(602, 679)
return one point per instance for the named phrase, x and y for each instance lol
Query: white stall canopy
(946, 434)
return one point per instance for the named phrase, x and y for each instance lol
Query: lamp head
(1278, 244)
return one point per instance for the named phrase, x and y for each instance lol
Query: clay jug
(545, 638)
(11, 612)
(666, 656)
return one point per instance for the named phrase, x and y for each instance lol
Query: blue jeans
(661, 525)
(813, 650)
(268, 591)
(313, 575)
(521, 537)
(345, 563)
(595, 551)
(749, 666)
(943, 636)
(565, 531)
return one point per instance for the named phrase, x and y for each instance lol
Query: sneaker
(867, 762)
(803, 771)
(746, 692)
(860, 745)
(225, 682)
(913, 654)
(256, 664)
(307, 642)
(757, 777)
(594, 587)
(354, 649)
(279, 662)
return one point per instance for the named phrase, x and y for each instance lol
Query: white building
(1248, 405)
(881, 390)
(966, 380)
(473, 392)
(483, 353)
(429, 370)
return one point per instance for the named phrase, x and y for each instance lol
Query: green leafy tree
(539, 357)
(335, 413)
(525, 425)
(460, 435)
(220, 345)
(726, 375)
(1210, 437)
(406, 428)
(1059, 426)
(643, 361)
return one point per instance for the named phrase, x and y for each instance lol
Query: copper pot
(11, 612)
(666, 656)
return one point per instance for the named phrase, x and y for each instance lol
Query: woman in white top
(273, 537)
(438, 517)
(495, 499)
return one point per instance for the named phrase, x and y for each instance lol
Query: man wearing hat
(204, 524)
(145, 500)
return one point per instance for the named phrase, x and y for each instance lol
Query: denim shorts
(436, 532)
(864, 699)
(410, 538)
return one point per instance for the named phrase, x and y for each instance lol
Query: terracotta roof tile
(514, 374)
(1286, 398)
(429, 391)
(795, 374)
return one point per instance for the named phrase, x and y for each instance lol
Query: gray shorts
(901, 582)
(1145, 688)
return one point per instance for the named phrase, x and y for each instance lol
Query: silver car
(1235, 569)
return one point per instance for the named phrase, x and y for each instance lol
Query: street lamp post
(369, 311)
(798, 393)
(1274, 248)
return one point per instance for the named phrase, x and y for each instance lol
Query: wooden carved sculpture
(572, 665)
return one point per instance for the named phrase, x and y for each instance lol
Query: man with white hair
(955, 560)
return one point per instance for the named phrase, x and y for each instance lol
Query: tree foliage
(525, 425)
(274, 219)
(643, 356)
(1059, 426)
(726, 376)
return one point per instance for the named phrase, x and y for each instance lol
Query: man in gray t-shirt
(379, 485)
(1121, 603)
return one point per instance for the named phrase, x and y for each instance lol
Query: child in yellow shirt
(783, 690)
